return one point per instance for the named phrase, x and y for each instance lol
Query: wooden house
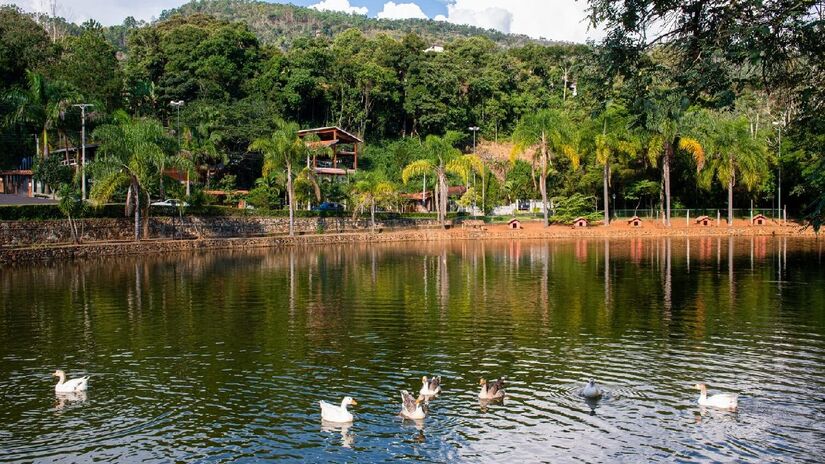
(341, 155)
(635, 221)
(759, 220)
(704, 221)
(580, 222)
(514, 224)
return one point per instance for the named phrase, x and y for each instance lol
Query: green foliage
(52, 171)
(569, 208)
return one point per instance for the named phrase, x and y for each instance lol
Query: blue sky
(551, 19)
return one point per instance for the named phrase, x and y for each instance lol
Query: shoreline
(531, 231)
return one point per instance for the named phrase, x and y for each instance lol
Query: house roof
(329, 134)
(513, 220)
(580, 219)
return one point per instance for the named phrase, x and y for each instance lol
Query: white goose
(339, 414)
(412, 408)
(70, 386)
(430, 387)
(719, 400)
(592, 390)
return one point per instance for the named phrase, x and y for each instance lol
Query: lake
(223, 356)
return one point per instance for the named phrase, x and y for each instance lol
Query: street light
(779, 125)
(83, 107)
(176, 104)
(474, 129)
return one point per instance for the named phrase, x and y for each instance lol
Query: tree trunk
(543, 177)
(666, 177)
(136, 197)
(445, 195)
(291, 194)
(606, 194)
(730, 201)
(372, 214)
(146, 216)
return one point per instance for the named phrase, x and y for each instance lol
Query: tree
(733, 153)
(283, 149)
(442, 158)
(546, 132)
(370, 192)
(130, 154)
(58, 176)
(614, 137)
(41, 103)
(665, 123)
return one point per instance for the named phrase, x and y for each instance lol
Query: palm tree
(546, 132)
(666, 124)
(369, 192)
(40, 103)
(442, 158)
(200, 145)
(283, 149)
(733, 152)
(614, 138)
(130, 155)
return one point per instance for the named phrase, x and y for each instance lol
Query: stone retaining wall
(51, 232)
(99, 249)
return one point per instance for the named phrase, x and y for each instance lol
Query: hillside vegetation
(280, 24)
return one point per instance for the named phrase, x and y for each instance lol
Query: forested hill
(279, 24)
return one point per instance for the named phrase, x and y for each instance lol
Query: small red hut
(759, 220)
(580, 222)
(635, 221)
(514, 224)
(703, 221)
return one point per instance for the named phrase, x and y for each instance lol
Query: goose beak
(482, 382)
(354, 403)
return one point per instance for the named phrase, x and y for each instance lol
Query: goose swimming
(491, 390)
(339, 414)
(719, 400)
(411, 407)
(70, 386)
(430, 387)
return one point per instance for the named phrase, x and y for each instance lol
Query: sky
(550, 19)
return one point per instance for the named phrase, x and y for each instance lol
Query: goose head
(591, 383)
(700, 386)
(60, 374)
(424, 380)
(482, 382)
(349, 401)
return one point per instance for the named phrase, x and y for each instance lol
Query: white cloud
(551, 19)
(105, 12)
(394, 10)
(339, 5)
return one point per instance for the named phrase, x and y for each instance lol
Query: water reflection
(195, 352)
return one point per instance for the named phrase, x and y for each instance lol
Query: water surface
(222, 356)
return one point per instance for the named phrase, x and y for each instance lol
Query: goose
(339, 414)
(592, 390)
(719, 400)
(412, 408)
(71, 386)
(491, 390)
(430, 387)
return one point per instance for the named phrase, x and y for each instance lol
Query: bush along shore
(26, 241)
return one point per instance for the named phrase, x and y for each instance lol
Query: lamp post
(176, 104)
(779, 125)
(83, 107)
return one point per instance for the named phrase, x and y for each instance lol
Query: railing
(741, 213)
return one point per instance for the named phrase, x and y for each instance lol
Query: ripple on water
(224, 356)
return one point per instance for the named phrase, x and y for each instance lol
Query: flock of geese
(416, 408)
